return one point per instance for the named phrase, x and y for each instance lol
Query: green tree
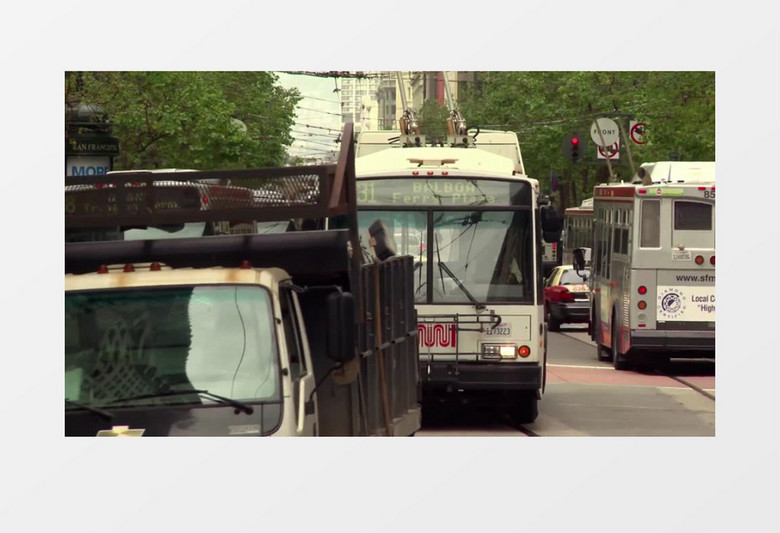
(433, 119)
(200, 120)
(544, 107)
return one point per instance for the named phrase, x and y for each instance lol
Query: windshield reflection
(478, 256)
(126, 343)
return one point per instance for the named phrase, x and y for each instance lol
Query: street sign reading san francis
(604, 132)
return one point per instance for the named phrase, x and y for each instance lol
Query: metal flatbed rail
(144, 198)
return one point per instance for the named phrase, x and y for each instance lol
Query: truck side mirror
(578, 259)
(341, 326)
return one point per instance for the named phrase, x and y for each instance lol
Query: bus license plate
(502, 330)
(681, 255)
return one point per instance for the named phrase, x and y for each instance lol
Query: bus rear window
(692, 216)
(651, 224)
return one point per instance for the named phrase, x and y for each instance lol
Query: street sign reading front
(604, 132)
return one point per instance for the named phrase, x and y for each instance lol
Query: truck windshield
(128, 343)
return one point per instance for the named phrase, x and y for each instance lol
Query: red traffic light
(574, 144)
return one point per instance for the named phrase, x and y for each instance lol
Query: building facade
(358, 97)
(373, 100)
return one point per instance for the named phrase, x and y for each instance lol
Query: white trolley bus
(577, 230)
(471, 218)
(653, 265)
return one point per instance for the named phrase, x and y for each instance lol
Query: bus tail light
(642, 304)
(102, 269)
(642, 289)
(129, 268)
(712, 260)
(699, 260)
(524, 351)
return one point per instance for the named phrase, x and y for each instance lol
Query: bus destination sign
(443, 192)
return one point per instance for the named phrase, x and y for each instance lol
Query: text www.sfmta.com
(704, 278)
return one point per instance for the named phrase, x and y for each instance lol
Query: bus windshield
(134, 342)
(474, 256)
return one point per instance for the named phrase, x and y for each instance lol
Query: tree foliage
(545, 107)
(200, 120)
(433, 119)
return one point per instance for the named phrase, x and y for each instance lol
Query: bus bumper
(480, 376)
(679, 343)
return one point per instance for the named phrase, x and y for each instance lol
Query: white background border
(725, 483)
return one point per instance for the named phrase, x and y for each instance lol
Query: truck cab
(264, 334)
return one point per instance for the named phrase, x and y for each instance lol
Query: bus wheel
(602, 352)
(620, 362)
(524, 409)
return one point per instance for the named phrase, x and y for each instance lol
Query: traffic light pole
(628, 148)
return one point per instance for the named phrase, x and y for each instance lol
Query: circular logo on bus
(671, 304)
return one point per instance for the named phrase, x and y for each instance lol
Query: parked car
(566, 297)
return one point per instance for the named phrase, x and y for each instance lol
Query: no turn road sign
(637, 132)
(609, 152)
(604, 132)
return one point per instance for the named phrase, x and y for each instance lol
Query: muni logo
(441, 335)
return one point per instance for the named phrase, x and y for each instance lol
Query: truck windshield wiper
(101, 412)
(229, 401)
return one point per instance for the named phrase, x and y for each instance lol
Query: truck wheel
(620, 362)
(525, 408)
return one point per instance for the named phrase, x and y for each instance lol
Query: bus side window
(597, 244)
(616, 245)
(650, 230)
(607, 251)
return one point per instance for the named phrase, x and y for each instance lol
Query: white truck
(283, 334)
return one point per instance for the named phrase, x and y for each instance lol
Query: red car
(566, 297)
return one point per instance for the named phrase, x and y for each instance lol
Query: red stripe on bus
(615, 199)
